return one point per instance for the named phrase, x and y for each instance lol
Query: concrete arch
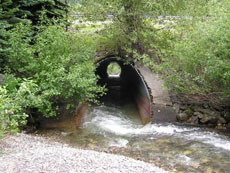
(130, 81)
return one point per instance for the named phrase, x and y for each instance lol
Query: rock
(163, 141)
(176, 107)
(1, 79)
(91, 146)
(226, 116)
(154, 148)
(228, 126)
(193, 120)
(66, 133)
(182, 117)
(195, 165)
(189, 111)
(204, 161)
(209, 119)
(205, 120)
(199, 115)
(213, 120)
(187, 152)
(221, 120)
(209, 170)
(183, 107)
(205, 106)
(207, 111)
(220, 126)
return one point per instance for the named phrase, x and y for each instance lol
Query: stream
(117, 129)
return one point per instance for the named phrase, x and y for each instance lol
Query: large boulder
(182, 117)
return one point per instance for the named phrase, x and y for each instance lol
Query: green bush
(12, 115)
(57, 66)
(199, 58)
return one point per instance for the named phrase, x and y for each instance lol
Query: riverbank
(31, 153)
(210, 110)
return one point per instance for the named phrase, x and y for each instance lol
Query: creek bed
(118, 129)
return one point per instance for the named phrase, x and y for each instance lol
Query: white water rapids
(118, 129)
(109, 120)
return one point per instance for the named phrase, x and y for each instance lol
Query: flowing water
(177, 148)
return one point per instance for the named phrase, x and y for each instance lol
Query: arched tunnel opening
(126, 84)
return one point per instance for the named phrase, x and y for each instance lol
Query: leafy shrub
(12, 115)
(57, 65)
(199, 60)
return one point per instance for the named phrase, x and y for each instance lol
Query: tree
(6, 15)
(133, 21)
(16, 11)
(33, 9)
(199, 60)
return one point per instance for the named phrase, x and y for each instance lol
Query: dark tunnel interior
(129, 85)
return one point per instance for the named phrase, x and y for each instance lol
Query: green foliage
(58, 64)
(199, 60)
(12, 115)
(113, 69)
(127, 32)
(192, 49)
(131, 31)
(6, 14)
(15, 11)
(33, 9)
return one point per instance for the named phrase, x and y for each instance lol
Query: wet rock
(163, 141)
(187, 152)
(213, 120)
(204, 161)
(155, 148)
(193, 120)
(66, 133)
(205, 120)
(209, 119)
(220, 126)
(195, 165)
(163, 113)
(182, 117)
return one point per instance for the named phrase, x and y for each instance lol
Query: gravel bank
(33, 154)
